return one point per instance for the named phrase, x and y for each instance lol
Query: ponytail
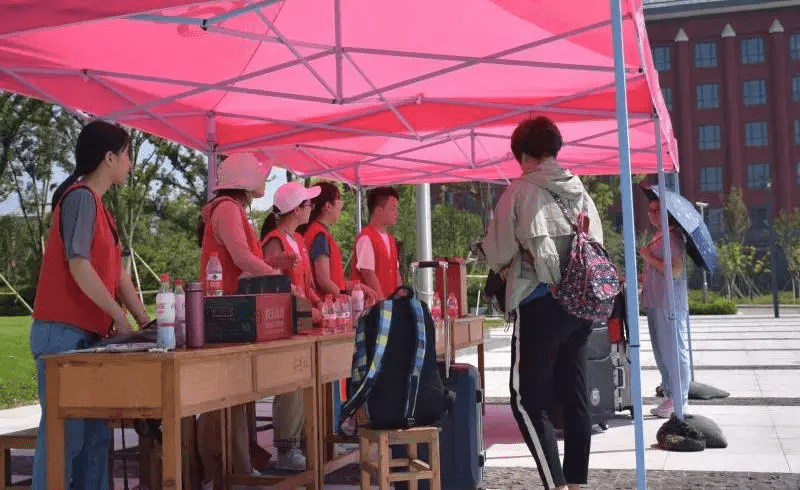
(270, 222)
(61, 189)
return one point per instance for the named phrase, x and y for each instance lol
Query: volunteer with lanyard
(324, 252)
(224, 230)
(80, 282)
(291, 208)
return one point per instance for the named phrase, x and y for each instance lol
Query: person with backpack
(529, 242)
(80, 283)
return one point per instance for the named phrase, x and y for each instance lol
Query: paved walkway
(753, 356)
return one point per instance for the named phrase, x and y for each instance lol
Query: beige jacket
(527, 217)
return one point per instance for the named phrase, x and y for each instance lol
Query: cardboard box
(254, 317)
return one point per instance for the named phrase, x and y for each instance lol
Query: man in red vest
(376, 261)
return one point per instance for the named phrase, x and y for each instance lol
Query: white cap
(243, 171)
(292, 194)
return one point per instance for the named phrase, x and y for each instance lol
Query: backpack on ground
(589, 280)
(394, 371)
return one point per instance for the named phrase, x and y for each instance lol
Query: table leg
(170, 430)
(55, 429)
(312, 435)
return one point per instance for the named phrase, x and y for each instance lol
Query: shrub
(11, 306)
(716, 306)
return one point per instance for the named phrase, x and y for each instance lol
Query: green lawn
(17, 369)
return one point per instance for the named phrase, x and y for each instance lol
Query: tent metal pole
(424, 242)
(359, 217)
(674, 381)
(626, 188)
(211, 153)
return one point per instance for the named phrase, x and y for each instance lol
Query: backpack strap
(419, 359)
(582, 217)
(363, 378)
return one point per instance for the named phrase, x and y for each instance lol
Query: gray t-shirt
(78, 216)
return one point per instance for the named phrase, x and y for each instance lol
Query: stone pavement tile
(724, 358)
(724, 460)
(790, 445)
(736, 415)
(19, 418)
(776, 357)
(794, 463)
(778, 383)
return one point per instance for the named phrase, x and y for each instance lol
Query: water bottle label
(166, 337)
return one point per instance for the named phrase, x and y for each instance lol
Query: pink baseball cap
(292, 194)
(243, 171)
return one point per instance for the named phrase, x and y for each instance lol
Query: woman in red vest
(291, 208)
(80, 284)
(224, 230)
(325, 254)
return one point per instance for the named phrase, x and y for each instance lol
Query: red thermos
(194, 315)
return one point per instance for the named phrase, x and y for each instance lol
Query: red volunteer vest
(58, 297)
(385, 264)
(230, 271)
(337, 269)
(300, 275)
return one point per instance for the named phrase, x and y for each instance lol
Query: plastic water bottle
(452, 305)
(345, 309)
(214, 276)
(165, 314)
(328, 315)
(357, 300)
(180, 314)
(436, 306)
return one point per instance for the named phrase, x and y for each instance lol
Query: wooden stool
(23, 439)
(415, 469)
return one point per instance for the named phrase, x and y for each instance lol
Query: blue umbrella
(699, 244)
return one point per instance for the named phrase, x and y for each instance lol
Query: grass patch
(17, 368)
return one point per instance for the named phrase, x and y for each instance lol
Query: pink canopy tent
(363, 92)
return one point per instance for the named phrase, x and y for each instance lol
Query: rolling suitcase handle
(435, 264)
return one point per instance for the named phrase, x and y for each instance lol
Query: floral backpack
(589, 280)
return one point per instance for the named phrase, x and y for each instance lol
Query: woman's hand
(316, 315)
(284, 260)
(121, 325)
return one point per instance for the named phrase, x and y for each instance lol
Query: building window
(707, 95)
(794, 46)
(755, 133)
(715, 220)
(758, 218)
(797, 132)
(705, 55)
(661, 58)
(709, 137)
(752, 50)
(795, 88)
(755, 92)
(758, 176)
(666, 92)
(711, 179)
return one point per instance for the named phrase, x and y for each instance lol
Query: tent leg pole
(626, 187)
(358, 207)
(424, 242)
(672, 323)
(211, 171)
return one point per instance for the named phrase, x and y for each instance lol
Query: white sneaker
(291, 460)
(664, 409)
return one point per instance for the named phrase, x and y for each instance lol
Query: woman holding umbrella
(673, 364)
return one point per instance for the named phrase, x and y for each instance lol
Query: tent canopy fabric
(359, 91)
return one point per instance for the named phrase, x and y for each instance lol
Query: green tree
(737, 218)
(787, 234)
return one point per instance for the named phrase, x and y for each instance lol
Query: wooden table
(174, 385)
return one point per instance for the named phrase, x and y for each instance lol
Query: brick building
(730, 75)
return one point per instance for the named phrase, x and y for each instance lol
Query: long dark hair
(271, 221)
(96, 139)
(329, 192)
(239, 195)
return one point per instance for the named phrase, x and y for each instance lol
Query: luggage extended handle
(436, 264)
